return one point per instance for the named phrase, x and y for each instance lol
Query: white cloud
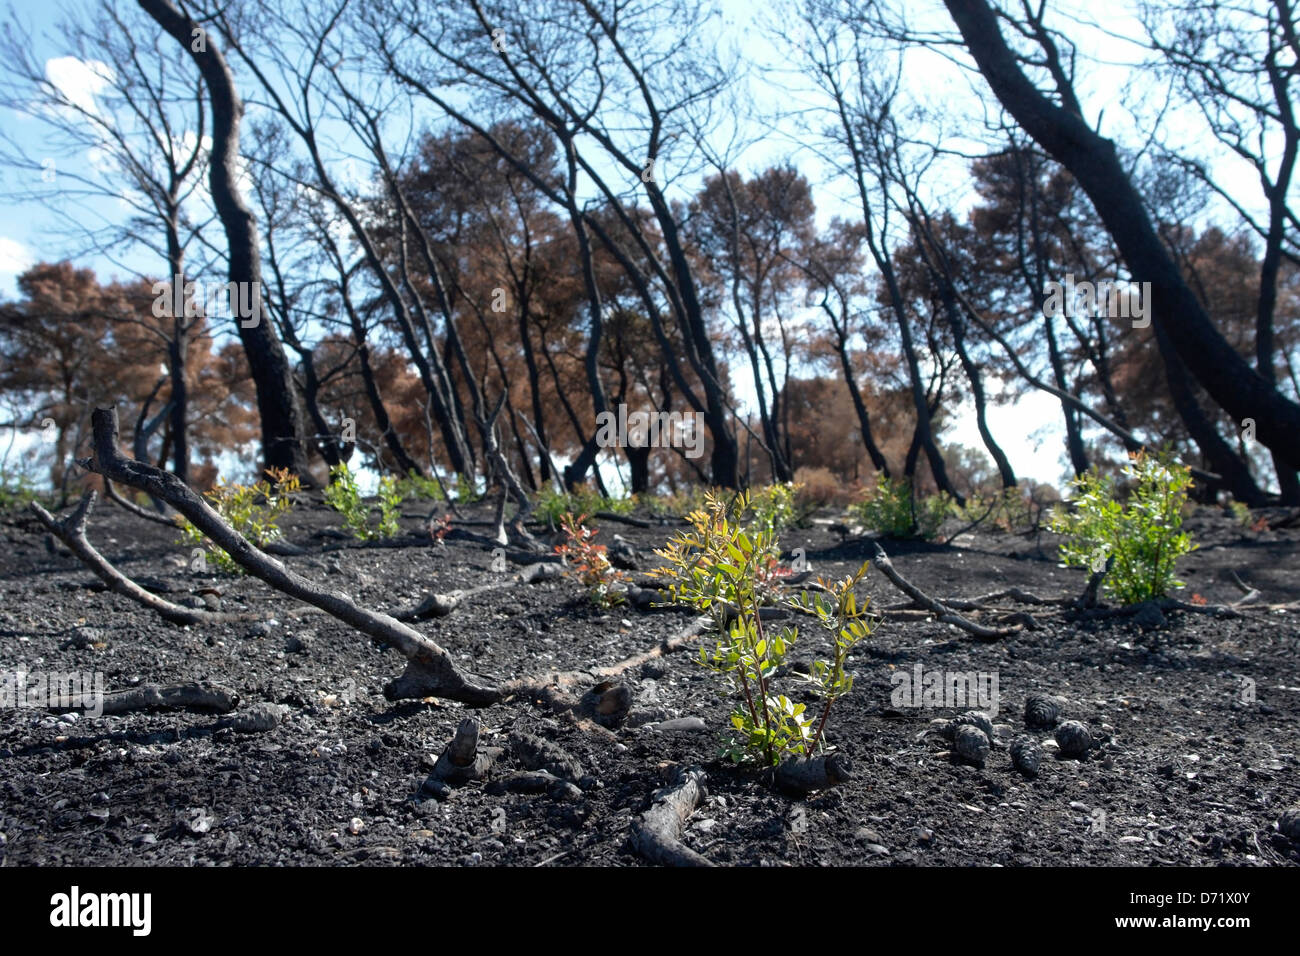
(80, 81)
(15, 258)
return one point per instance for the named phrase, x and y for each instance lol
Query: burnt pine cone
(971, 744)
(973, 718)
(1074, 738)
(1025, 755)
(1042, 711)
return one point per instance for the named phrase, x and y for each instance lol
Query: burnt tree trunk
(277, 401)
(1093, 161)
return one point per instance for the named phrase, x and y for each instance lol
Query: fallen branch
(430, 670)
(623, 519)
(656, 834)
(440, 605)
(944, 613)
(554, 688)
(801, 775)
(192, 696)
(72, 532)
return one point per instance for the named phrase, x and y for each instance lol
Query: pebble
(259, 718)
(866, 835)
(198, 820)
(680, 723)
(1289, 823)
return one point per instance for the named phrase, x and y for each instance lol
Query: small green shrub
(587, 561)
(1009, 510)
(252, 510)
(718, 566)
(552, 505)
(677, 504)
(892, 509)
(17, 490)
(465, 490)
(420, 487)
(344, 496)
(774, 506)
(1144, 535)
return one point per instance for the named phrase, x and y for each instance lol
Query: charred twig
(1250, 593)
(192, 696)
(72, 532)
(944, 613)
(111, 494)
(801, 775)
(440, 605)
(430, 671)
(461, 761)
(656, 834)
(1088, 599)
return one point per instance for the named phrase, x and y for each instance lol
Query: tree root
(656, 834)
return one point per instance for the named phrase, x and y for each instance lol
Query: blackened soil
(1191, 770)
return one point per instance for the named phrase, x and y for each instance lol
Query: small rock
(1074, 738)
(681, 723)
(296, 645)
(866, 835)
(1289, 823)
(259, 718)
(971, 744)
(356, 825)
(877, 849)
(198, 820)
(622, 554)
(260, 629)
